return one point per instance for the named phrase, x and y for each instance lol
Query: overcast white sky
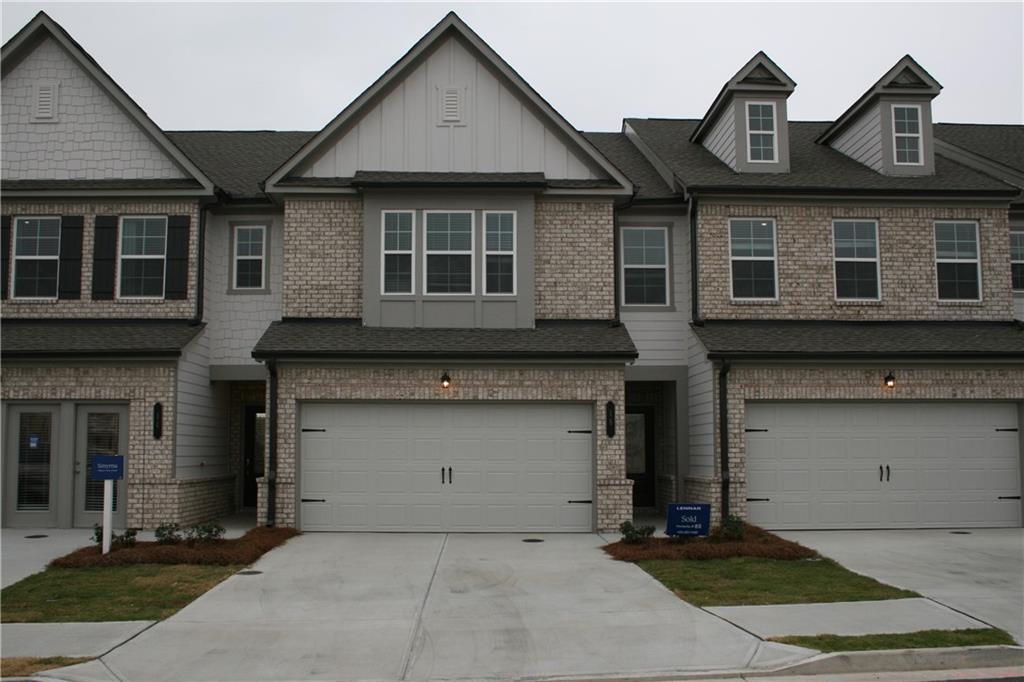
(295, 66)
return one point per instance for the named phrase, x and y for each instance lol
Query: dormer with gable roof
(746, 126)
(889, 129)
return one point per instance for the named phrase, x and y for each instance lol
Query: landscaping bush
(168, 533)
(237, 551)
(755, 542)
(635, 535)
(204, 532)
(125, 539)
(732, 528)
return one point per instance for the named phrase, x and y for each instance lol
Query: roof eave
(899, 355)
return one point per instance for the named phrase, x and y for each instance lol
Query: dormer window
(906, 124)
(761, 133)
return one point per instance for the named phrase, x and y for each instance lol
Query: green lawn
(132, 592)
(924, 639)
(747, 580)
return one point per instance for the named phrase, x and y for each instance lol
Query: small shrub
(731, 529)
(125, 539)
(756, 542)
(204, 532)
(168, 533)
(635, 535)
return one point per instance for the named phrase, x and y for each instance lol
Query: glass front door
(102, 430)
(31, 466)
(640, 454)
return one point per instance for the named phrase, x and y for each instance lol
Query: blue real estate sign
(688, 519)
(106, 468)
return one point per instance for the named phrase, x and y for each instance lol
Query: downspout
(723, 433)
(272, 448)
(694, 292)
(200, 267)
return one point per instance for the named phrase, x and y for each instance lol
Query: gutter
(272, 449)
(723, 435)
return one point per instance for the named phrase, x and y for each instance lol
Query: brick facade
(806, 288)
(574, 264)
(86, 307)
(863, 382)
(613, 499)
(323, 257)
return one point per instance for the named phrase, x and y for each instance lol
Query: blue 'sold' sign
(688, 519)
(106, 468)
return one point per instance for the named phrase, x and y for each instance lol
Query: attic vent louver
(45, 101)
(451, 105)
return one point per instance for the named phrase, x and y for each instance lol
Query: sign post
(107, 468)
(688, 520)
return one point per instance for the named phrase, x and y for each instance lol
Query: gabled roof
(451, 24)
(906, 77)
(41, 27)
(759, 75)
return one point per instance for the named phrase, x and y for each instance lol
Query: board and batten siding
(721, 141)
(702, 411)
(498, 130)
(862, 140)
(201, 441)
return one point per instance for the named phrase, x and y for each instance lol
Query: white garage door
(883, 465)
(446, 467)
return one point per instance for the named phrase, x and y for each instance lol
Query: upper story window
(957, 263)
(500, 252)
(761, 132)
(448, 254)
(36, 257)
(645, 266)
(1017, 259)
(856, 259)
(906, 132)
(250, 258)
(397, 267)
(143, 256)
(752, 258)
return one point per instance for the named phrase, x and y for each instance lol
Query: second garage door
(883, 465)
(522, 467)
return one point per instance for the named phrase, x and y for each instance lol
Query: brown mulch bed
(756, 542)
(236, 551)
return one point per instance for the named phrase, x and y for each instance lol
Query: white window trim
(513, 253)
(877, 260)
(775, 132)
(264, 229)
(471, 253)
(666, 267)
(121, 257)
(774, 259)
(15, 258)
(1019, 231)
(976, 260)
(919, 135)
(411, 251)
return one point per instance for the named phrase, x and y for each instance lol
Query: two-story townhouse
(854, 361)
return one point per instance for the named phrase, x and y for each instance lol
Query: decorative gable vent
(45, 105)
(451, 105)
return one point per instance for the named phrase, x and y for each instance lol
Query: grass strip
(923, 639)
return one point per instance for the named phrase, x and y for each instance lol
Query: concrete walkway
(846, 618)
(75, 640)
(424, 607)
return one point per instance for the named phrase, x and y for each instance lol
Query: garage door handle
(1013, 430)
(579, 501)
(1009, 497)
(580, 431)
(442, 475)
(755, 430)
(449, 475)
(888, 474)
(759, 499)
(312, 499)
(314, 430)
(879, 472)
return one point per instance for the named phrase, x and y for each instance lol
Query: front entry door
(253, 442)
(640, 454)
(101, 430)
(31, 467)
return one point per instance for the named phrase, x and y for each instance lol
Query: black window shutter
(5, 262)
(104, 258)
(69, 283)
(176, 277)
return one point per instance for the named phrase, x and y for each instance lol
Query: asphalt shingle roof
(618, 149)
(350, 339)
(95, 338)
(813, 167)
(849, 340)
(113, 184)
(1001, 143)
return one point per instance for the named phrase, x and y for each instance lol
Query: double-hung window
(856, 259)
(957, 264)
(761, 133)
(250, 256)
(645, 266)
(500, 252)
(143, 255)
(36, 257)
(1017, 259)
(752, 258)
(906, 132)
(397, 267)
(448, 253)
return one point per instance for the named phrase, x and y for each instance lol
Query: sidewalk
(72, 640)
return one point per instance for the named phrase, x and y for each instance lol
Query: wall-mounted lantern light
(446, 380)
(158, 421)
(890, 380)
(609, 419)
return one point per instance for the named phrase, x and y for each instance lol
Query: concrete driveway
(421, 607)
(980, 573)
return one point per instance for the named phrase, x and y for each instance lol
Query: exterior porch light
(446, 380)
(890, 380)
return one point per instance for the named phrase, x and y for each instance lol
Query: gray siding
(201, 441)
(236, 320)
(92, 137)
(498, 131)
(721, 141)
(702, 412)
(862, 141)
